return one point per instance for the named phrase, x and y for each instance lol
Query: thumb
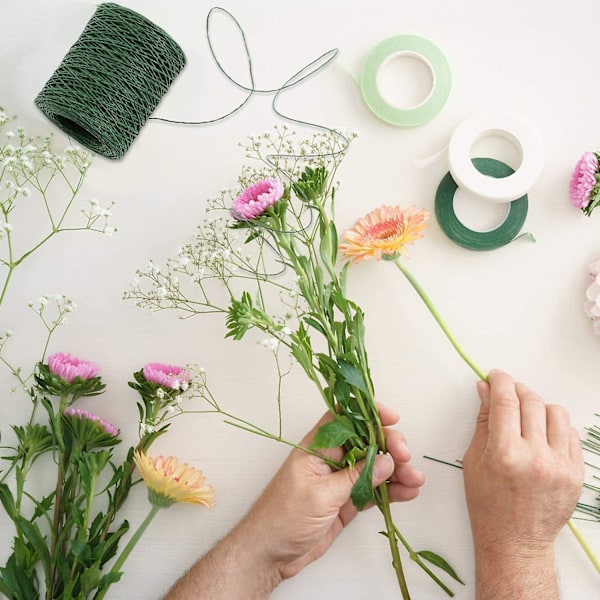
(342, 481)
(480, 435)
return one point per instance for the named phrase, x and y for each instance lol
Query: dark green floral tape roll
(479, 240)
(111, 80)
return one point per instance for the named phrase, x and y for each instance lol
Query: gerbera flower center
(385, 230)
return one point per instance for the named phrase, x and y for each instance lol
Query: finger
(395, 444)
(407, 475)
(558, 428)
(480, 435)
(401, 493)
(387, 414)
(533, 414)
(505, 411)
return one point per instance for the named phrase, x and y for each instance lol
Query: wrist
(515, 571)
(257, 572)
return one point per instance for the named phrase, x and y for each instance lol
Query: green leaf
(354, 455)
(352, 375)
(43, 506)
(8, 501)
(341, 391)
(438, 561)
(89, 580)
(81, 551)
(362, 491)
(32, 532)
(314, 324)
(15, 583)
(333, 433)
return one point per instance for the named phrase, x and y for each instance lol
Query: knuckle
(506, 400)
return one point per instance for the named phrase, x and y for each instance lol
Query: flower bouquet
(284, 279)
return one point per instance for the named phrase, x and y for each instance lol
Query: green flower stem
(584, 545)
(415, 557)
(438, 318)
(58, 500)
(384, 506)
(135, 538)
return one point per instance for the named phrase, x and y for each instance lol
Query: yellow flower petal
(169, 481)
(384, 231)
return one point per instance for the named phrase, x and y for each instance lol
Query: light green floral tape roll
(415, 47)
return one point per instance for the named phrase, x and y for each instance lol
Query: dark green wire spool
(111, 80)
(479, 240)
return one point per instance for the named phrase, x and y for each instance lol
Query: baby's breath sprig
(32, 170)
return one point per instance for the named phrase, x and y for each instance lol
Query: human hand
(307, 504)
(523, 475)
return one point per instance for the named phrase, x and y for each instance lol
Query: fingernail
(383, 467)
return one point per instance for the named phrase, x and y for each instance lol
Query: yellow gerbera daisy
(168, 481)
(383, 233)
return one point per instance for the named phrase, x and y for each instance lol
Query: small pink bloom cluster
(168, 376)
(592, 295)
(107, 427)
(68, 367)
(583, 180)
(255, 199)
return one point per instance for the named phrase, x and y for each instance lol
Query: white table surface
(518, 308)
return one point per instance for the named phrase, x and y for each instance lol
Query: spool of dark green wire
(479, 240)
(111, 80)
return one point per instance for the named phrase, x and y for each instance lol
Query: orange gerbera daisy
(168, 481)
(383, 233)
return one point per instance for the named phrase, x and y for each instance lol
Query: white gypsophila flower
(270, 343)
(286, 331)
(184, 386)
(42, 301)
(10, 134)
(109, 231)
(160, 393)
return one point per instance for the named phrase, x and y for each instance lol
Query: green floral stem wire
(436, 315)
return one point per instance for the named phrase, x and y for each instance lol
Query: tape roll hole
(500, 145)
(405, 80)
(477, 215)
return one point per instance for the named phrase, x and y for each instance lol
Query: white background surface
(518, 308)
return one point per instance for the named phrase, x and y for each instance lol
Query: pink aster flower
(168, 376)
(254, 200)
(583, 180)
(105, 426)
(68, 367)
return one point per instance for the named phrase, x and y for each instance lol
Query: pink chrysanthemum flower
(105, 426)
(583, 180)
(254, 200)
(68, 367)
(169, 481)
(168, 376)
(385, 231)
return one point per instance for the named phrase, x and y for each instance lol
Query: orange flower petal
(384, 231)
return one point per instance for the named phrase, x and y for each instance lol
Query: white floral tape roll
(493, 123)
